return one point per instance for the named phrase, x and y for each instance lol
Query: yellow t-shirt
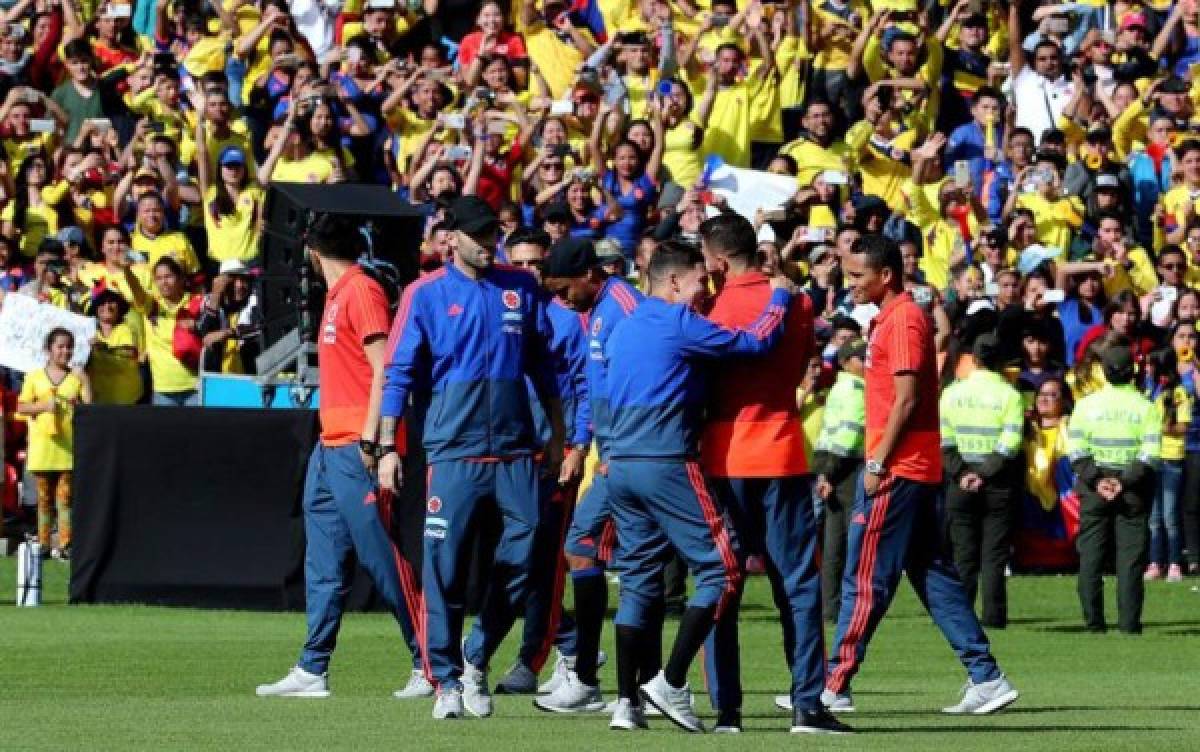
(728, 131)
(1173, 445)
(682, 156)
(40, 222)
(113, 368)
(410, 129)
(555, 60)
(835, 53)
(169, 243)
(51, 435)
(234, 236)
(18, 150)
(1055, 220)
(315, 168)
(168, 373)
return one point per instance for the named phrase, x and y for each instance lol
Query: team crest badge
(511, 300)
(434, 505)
(596, 326)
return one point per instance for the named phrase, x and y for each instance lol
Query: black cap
(470, 214)
(1175, 85)
(975, 19)
(1099, 135)
(853, 348)
(985, 349)
(557, 212)
(571, 257)
(1118, 364)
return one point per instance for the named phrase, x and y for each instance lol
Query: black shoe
(817, 722)
(728, 722)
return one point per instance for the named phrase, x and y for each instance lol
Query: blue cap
(1034, 256)
(232, 155)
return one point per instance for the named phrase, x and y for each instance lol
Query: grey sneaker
(838, 702)
(418, 686)
(784, 702)
(674, 702)
(520, 680)
(988, 697)
(448, 705)
(475, 694)
(572, 696)
(627, 716)
(297, 683)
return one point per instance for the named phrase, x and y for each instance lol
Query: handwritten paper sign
(24, 324)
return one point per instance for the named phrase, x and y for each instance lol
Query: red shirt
(901, 341)
(356, 309)
(755, 429)
(508, 45)
(495, 180)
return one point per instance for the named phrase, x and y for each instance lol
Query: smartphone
(1168, 293)
(164, 60)
(120, 11)
(31, 96)
(904, 16)
(962, 174)
(456, 152)
(815, 235)
(922, 295)
(561, 150)
(157, 127)
(454, 120)
(562, 107)
(775, 215)
(381, 4)
(353, 55)
(16, 31)
(991, 289)
(43, 125)
(720, 20)
(1058, 25)
(835, 177)
(101, 125)
(1053, 296)
(287, 61)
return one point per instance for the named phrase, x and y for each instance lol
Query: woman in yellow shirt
(113, 365)
(28, 216)
(233, 202)
(172, 346)
(295, 155)
(683, 137)
(48, 398)
(1162, 384)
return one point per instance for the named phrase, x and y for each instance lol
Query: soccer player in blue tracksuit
(545, 625)
(474, 332)
(573, 274)
(342, 512)
(656, 395)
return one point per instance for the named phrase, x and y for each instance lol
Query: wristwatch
(369, 448)
(875, 467)
(385, 450)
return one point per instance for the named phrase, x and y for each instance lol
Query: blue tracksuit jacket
(616, 300)
(568, 343)
(473, 342)
(655, 389)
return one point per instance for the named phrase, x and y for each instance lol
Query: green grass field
(126, 678)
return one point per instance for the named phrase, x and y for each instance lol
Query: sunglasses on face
(1173, 267)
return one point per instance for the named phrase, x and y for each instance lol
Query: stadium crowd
(1038, 165)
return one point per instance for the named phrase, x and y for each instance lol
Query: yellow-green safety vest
(982, 415)
(1115, 426)
(842, 431)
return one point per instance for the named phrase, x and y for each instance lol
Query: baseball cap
(1034, 256)
(819, 253)
(1107, 180)
(975, 20)
(1099, 135)
(232, 155)
(571, 257)
(1132, 20)
(854, 348)
(608, 250)
(1175, 85)
(470, 214)
(72, 235)
(558, 212)
(145, 172)
(233, 266)
(1118, 364)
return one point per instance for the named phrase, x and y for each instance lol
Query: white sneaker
(418, 686)
(981, 699)
(647, 710)
(448, 705)
(475, 694)
(784, 702)
(627, 716)
(562, 666)
(298, 683)
(572, 696)
(838, 702)
(674, 702)
(520, 680)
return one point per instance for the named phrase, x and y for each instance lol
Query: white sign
(24, 324)
(748, 190)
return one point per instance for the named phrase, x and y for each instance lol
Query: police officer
(838, 459)
(981, 422)
(1113, 441)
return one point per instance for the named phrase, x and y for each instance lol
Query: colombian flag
(1049, 512)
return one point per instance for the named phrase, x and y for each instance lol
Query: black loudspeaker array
(290, 291)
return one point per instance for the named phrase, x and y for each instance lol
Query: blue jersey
(656, 386)
(568, 343)
(616, 300)
(473, 342)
